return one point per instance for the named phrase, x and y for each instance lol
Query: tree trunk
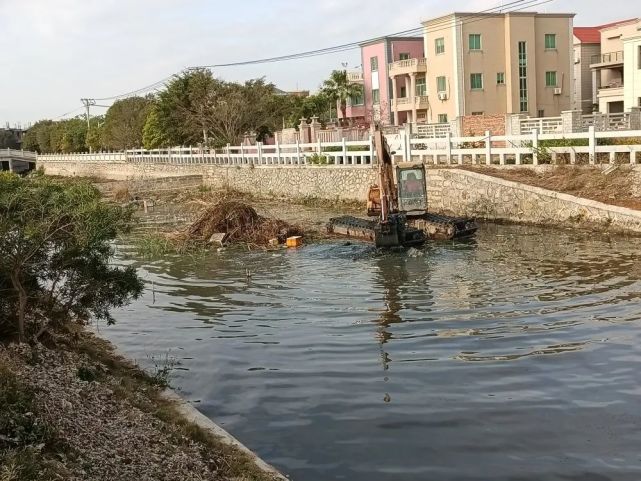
(22, 304)
(205, 137)
(344, 110)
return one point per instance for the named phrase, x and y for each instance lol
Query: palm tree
(338, 88)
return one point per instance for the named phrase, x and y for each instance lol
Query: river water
(511, 357)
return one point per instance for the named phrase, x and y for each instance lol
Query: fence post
(448, 147)
(371, 149)
(260, 152)
(345, 152)
(535, 146)
(278, 151)
(488, 147)
(297, 151)
(228, 153)
(592, 143)
(320, 147)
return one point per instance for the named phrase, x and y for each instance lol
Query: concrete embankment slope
(466, 193)
(454, 191)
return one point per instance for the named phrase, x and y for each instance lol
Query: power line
(442, 25)
(313, 53)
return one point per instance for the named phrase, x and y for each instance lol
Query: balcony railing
(408, 66)
(406, 103)
(610, 57)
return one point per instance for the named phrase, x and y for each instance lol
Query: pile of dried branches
(241, 224)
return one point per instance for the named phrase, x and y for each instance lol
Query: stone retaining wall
(327, 182)
(465, 193)
(455, 191)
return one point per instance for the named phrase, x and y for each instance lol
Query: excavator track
(435, 227)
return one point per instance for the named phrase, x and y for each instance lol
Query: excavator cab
(412, 189)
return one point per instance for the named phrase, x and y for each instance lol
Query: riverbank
(77, 410)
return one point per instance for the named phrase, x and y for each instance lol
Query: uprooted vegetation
(240, 223)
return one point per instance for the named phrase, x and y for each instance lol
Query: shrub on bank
(55, 252)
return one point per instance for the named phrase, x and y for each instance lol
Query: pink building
(381, 89)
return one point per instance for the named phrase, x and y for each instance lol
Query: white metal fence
(584, 147)
(590, 147)
(353, 153)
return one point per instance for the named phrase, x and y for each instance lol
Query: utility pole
(88, 103)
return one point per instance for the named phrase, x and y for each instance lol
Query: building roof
(593, 34)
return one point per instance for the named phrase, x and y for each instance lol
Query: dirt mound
(241, 224)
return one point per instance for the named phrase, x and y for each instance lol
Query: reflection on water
(511, 357)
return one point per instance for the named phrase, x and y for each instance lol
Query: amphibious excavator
(399, 201)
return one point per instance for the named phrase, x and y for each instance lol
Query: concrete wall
(451, 190)
(465, 193)
(327, 182)
(632, 72)
(118, 170)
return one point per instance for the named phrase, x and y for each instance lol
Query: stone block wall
(119, 170)
(463, 193)
(328, 182)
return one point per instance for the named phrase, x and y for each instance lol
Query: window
(357, 99)
(403, 92)
(403, 56)
(441, 84)
(439, 45)
(541, 113)
(639, 57)
(442, 118)
(475, 41)
(550, 79)
(550, 41)
(639, 103)
(476, 81)
(373, 62)
(421, 86)
(376, 96)
(478, 113)
(500, 78)
(523, 93)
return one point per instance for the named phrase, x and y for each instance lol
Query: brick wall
(477, 125)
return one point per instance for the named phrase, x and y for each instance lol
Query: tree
(8, 140)
(338, 88)
(153, 135)
(55, 251)
(38, 137)
(124, 122)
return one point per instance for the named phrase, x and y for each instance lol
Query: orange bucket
(295, 241)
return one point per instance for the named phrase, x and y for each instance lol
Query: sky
(58, 51)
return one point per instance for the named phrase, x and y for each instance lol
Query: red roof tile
(593, 34)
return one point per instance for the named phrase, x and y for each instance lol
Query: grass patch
(154, 246)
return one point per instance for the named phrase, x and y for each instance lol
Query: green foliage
(320, 159)
(154, 246)
(338, 88)
(8, 140)
(153, 135)
(55, 251)
(63, 136)
(124, 122)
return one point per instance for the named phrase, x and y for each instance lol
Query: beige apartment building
(487, 64)
(613, 70)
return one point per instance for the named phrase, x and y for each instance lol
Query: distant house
(587, 48)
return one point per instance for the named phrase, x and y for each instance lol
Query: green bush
(55, 252)
(319, 159)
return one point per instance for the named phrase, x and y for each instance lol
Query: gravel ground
(106, 437)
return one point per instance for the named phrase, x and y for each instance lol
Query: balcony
(355, 76)
(405, 67)
(407, 103)
(612, 93)
(606, 59)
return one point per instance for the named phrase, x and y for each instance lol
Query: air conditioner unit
(442, 95)
(558, 91)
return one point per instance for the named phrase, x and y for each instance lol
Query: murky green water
(514, 357)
